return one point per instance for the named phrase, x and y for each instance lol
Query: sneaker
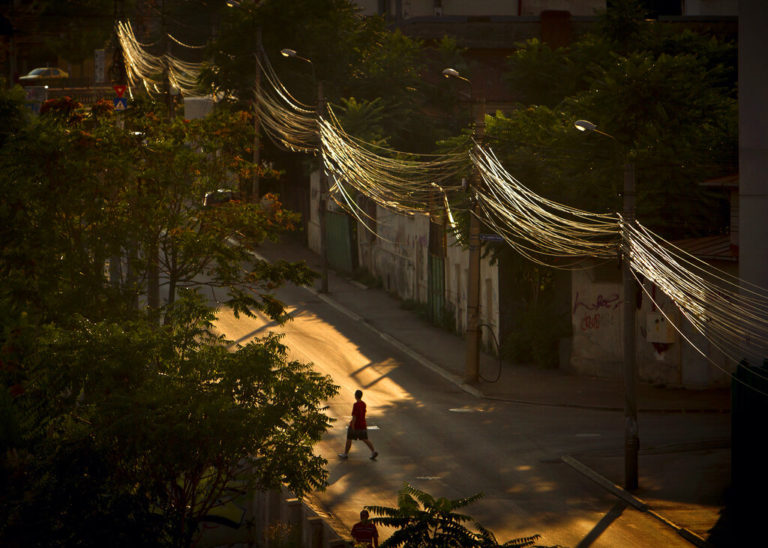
(343, 455)
(375, 454)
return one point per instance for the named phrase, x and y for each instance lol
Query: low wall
(272, 518)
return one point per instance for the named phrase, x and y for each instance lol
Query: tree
(422, 520)
(667, 97)
(182, 160)
(167, 419)
(116, 430)
(99, 192)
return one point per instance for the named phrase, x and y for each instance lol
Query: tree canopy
(665, 96)
(123, 424)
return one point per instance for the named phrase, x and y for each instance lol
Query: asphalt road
(439, 438)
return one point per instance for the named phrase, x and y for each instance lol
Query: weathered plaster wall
(664, 355)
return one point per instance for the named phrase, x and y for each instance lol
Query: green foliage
(117, 430)
(422, 521)
(363, 119)
(352, 56)
(73, 29)
(160, 420)
(97, 192)
(621, 22)
(13, 115)
(537, 322)
(666, 97)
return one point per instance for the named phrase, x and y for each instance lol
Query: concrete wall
(664, 356)
(456, 276)
(313, 223)
(398, 254)
(273, 518)
(197, 107)
(753, 143)
(711, 7)
(596, 322)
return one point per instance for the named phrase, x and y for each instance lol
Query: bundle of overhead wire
(730, 313)
(400, 182)
(541, 230)
(146, 69)
(289, 123)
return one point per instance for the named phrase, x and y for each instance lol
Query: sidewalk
(689, 481)
(445, 354)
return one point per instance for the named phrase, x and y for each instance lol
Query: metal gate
(341, 243)
(436, 288)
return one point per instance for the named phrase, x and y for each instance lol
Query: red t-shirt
(358, 412)
(364, 532)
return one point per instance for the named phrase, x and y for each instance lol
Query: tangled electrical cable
(290, 124)
(541, 230)
(145, 69)
(394, 180)
(729, 312)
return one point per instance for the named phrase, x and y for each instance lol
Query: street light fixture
(322, 202)
(453, 73)
(472, 366)
(631, 439)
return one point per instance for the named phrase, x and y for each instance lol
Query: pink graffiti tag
(612, 301)
(590, 322)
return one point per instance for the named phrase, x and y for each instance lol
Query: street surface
(439, 438)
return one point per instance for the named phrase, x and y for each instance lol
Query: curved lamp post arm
(631, 435)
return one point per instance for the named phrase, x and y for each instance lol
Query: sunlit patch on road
(463, 410)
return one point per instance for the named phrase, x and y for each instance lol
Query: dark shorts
(353, 434)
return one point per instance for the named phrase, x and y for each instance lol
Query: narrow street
(437, 437)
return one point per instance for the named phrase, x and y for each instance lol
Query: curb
(399, 345)
(632, 500)
(469, 388)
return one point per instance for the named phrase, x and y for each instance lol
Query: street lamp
(322, 202)
(472, 364)
(631, 439)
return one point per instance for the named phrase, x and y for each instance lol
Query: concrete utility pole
(323, 192)
(472, 372)
(323, 201)
(472, 362)
(631, 437)
(256, 122)
(631, 440)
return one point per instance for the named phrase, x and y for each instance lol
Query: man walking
(364, 532)
(358, 429)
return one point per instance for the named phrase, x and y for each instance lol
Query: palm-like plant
(486, 539)
(423, 520)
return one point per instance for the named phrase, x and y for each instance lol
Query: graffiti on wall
(590, 309)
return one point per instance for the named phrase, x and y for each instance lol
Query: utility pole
(472, 371)
(323, 200)
(472, 361)
(153, 266)
(631, 429)
(631, 439)
(256, 137)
